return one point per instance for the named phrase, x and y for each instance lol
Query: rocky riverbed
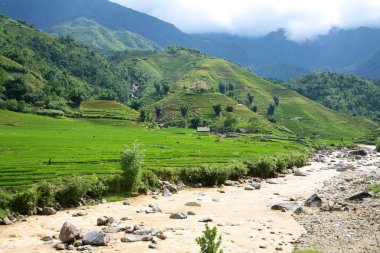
(252, 215)
(349, 217)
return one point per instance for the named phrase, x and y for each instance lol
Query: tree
(222, 88)
(184, 110)
(143, 115)
(158, 111)
(276, 100)
(165, 88)
(16, 89)
(250, 98)
(135, 105)
(270, 110)
(131, 162)
(217, 109)
(230, 86)
(253, 108)
(157, 86)
(208, 242)
(230, 122)
(194, 122)
(229, 108)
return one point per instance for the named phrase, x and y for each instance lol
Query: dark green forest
(39, 70)
(344, 93)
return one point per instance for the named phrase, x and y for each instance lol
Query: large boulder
(6, 221)
(313, 201)
(178, 216)
(69, 233)
(95, 239)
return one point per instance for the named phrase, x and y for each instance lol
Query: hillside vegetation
(194, 80)
(343, 93)
(101, 39)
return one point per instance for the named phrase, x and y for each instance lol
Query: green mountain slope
(370, 68)
(183, 69)
(344, 93)
(50, 72)
(101, 39)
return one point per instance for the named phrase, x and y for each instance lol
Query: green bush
(24, 202)
(5, 200)
(95, 187)
(168, 174)
(265, 167)
(45, 193)
(206, 175)
(114, 183)
(237, 170)
(378, 146)
(131, 161)
(210, 242)
(72, 190)
(149, 180)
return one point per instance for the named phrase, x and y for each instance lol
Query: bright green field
(27, 142)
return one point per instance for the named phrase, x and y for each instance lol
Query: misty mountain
(272, 55)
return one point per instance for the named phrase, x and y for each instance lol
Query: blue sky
(301, 19)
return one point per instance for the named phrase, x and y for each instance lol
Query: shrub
(149, 180)
(168, 174)
(72, 191)
(24, 202)
(237, 170)
(229, 108)
(264, 167)
(45, 193)
(95, 187)
(375, 189)
(113, 183)
(378, 146)
(206, 175)
(131, 161)
(210, 241)
(5, 200)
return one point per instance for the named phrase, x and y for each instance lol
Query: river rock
(229, 183)
(208, 219)
(131, 238)
(285, 206)
(60, 246)
(95, 238)
(48, 211)
(193, 203)
(359, 196)
(299, 210)
(166, 193)
(178, 215)
(6, 221)
(313, 201)
(102, 221)
(249, 188)
(69, 233)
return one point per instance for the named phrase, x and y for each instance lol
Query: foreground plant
(210, 242)
(131, 161)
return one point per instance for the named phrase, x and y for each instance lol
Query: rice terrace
(124, 128)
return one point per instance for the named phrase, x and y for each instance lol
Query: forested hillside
(101, 39)
(44, 71)
(344, 93)
(272, 55)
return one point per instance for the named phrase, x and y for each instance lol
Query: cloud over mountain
(300, 19)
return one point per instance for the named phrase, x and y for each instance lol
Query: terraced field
(87, 146)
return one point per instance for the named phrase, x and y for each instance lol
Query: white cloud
(301, 19)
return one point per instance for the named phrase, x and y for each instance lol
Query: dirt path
(244, 218)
